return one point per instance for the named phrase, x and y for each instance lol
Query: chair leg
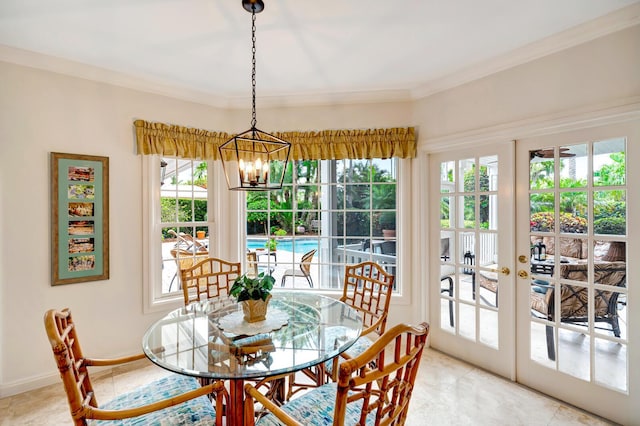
(450, 291)
(615, 326)
(551, 351)
(283, 280)
(309, 281)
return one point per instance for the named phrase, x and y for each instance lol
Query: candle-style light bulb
(241, 167)
(258, 166)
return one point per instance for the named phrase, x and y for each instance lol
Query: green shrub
(610, 225)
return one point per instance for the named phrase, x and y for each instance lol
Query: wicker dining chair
(367, 289)
(174, 399)
(362, 394)
(208, 279)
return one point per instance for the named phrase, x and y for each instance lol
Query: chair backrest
(367, 288)
(187, 242)
(574, 299)
(71, 363)
(208, 279)
(252, 264)
(305, 262)
(388, 247)
(382, 392)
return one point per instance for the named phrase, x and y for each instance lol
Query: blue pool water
(301, 245)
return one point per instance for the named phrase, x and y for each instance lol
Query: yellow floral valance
(184, 142)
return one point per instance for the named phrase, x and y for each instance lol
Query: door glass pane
(467, 173)
(609, 162)
(445, 212)
(610, 212)
(542, 211)
(467, 327)
(573, 212)
(447, 176)
(541, 169)
(469, 210)
(574, 346)
(611, 356)
(489, 327)
(573, 170)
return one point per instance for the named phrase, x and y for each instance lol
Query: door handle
(522, 259)
(503, 270)
(523, 274)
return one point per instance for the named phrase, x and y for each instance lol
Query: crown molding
(145, 84)
(615, 21)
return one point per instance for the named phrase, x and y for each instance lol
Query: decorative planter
(388, 234)
(300, 229)
(255, 310)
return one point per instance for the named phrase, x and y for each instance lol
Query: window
(343, 209)
(178, 224)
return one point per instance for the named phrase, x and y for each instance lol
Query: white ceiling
(331, 49)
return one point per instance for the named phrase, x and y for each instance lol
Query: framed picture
(79, 218)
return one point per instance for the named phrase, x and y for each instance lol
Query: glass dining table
(211, 340)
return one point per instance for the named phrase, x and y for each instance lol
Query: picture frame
(79, 218)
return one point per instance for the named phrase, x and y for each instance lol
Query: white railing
(353, 253)
(487, 250)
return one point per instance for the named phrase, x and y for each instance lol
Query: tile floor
(448, 392)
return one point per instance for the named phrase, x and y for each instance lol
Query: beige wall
(42, 112)
(603, 71)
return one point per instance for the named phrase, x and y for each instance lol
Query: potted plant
(300, 228)
(387, 222)
(271, 244)
(254, 294)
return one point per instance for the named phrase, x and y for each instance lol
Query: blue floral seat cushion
(362, 344)
(197, 411)
(315, 408)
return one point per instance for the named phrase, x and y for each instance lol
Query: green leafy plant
(544, 221)
(271, 244)
(280, 233)
(248, 288)
(610, 226)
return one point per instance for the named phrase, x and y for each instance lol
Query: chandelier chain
(254, 121)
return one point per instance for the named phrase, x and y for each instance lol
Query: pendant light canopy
(254, 160)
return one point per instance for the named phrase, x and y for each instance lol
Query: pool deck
(285, 260)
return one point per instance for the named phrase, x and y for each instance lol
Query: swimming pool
(302, 245)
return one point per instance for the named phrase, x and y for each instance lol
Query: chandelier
(254, 160)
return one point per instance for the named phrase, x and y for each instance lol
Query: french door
(534, 278)
(576, 214)
(472, 206)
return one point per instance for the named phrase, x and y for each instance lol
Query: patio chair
(252, 263)
(362, 394)
(187, 242)
(574, 299)
(208, 279)
(305, 269)
(174, 399)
